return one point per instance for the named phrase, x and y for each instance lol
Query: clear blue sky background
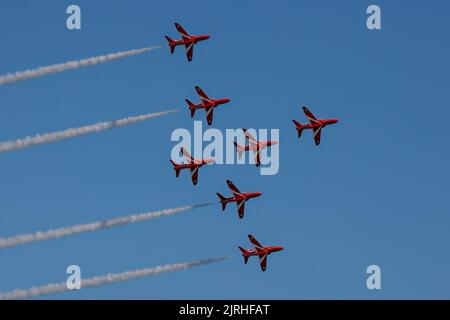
(374, 192)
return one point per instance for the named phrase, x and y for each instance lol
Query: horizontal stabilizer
(299, 127)
(222, 201)
(191, 107)
(176, 168)
(244, 254)
(171, 44)
(240, 149)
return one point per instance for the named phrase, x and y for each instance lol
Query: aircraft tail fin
(222, 201)
(240, 149)
(299, 127)
(191, 107)
(176, 168)
(172, 44)
(244, 254)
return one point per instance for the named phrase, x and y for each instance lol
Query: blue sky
(374, 192)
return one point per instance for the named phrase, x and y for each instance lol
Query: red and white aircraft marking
(239, 197)
(315, 124)
(254, 145)
(261, 251)
(187, 40)
(193, 165)
(207, 103)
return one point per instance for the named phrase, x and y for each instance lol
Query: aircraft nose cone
(227, 100)
(257, 194)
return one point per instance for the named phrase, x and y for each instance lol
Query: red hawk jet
(239, 197)
(315, 124)
(193, 165)
(254, 145)
(207, 103)
(187, 40)
(260, 251)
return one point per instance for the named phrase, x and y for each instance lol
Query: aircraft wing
(249, 137)
(241, 208)
(258, 157)
(194, 175)
(310, 116)
(317, 131)
(202, 94)
(187, 155)
(209, 115)
(255, 242)
(233, 188)
(182, 32)
(189, 50)
(263, 261)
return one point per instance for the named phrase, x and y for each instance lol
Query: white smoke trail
(93, 226)
(60, 67)
(74, 132)
(105, 279)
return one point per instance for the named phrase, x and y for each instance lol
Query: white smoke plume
(53, 288)
(89, 227)
(74, 132)
(60, 67)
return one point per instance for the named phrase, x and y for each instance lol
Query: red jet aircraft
(260, 251)
(187, 40)
(315, 124)
(193, 165)
(254, 145)
(239, 197)
(207, 103)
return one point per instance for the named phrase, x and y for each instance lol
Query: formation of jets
(253, 145)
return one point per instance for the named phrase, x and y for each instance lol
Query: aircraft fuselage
(243, 196)
(264, 250)
(192, 39)
(212, 103)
